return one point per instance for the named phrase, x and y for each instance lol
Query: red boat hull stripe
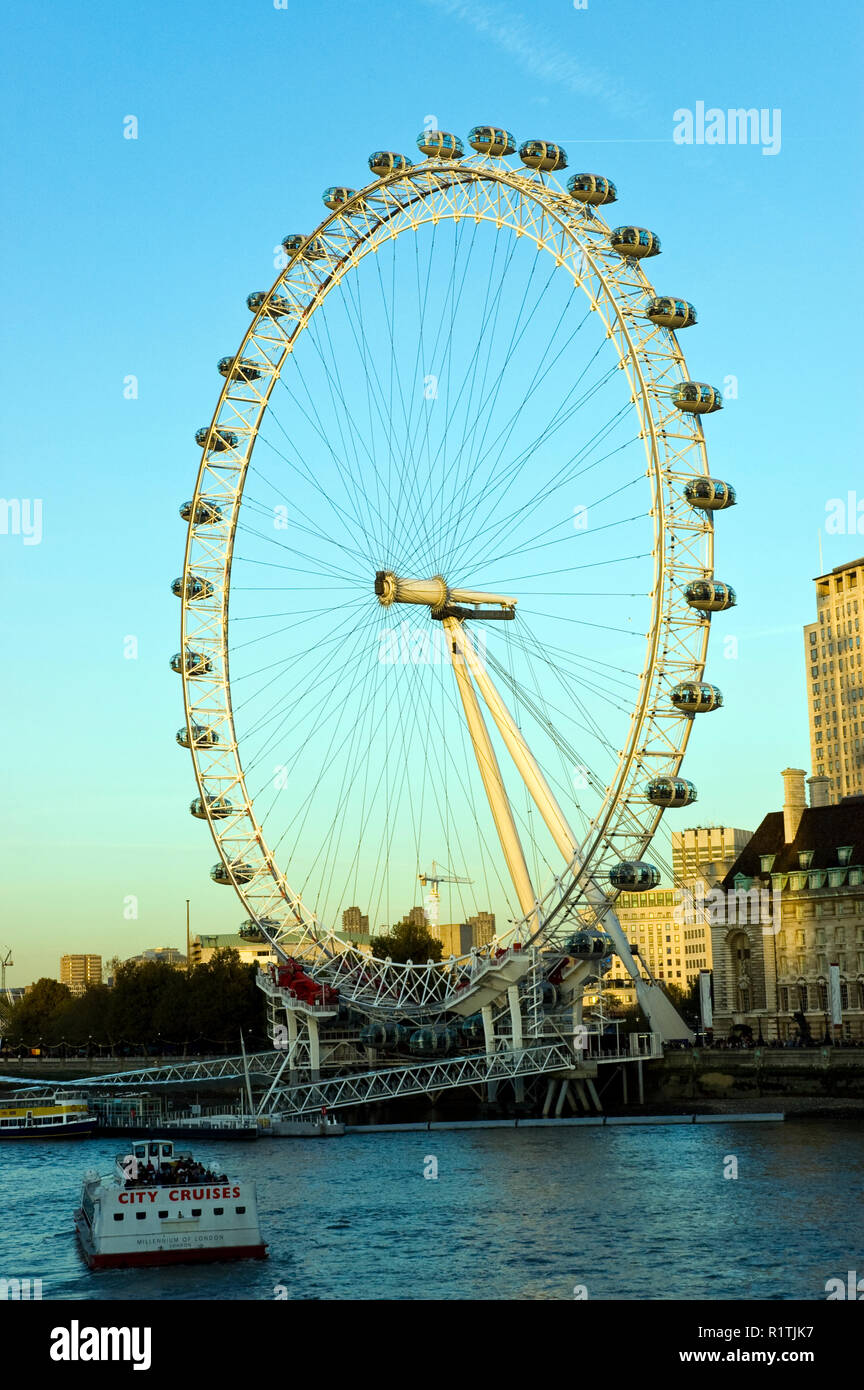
(171, 1257)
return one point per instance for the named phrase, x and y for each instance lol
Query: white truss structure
(617, 289)
(380, 1083)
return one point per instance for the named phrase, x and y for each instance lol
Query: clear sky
(133, 258)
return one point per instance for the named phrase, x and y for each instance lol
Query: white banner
(705, 1010)
(834, 994)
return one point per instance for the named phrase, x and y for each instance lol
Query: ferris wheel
(448, 579)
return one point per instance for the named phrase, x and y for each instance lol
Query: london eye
(449, 580)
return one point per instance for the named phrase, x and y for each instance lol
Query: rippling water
(631, 1213)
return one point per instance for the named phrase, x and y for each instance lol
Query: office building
(203, 949)
(80, 972)
(706, 851)
(835, 681)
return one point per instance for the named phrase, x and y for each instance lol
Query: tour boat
(158, 1208)
(61, 1116)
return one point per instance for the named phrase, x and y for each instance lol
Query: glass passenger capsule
(236, 872)
(336, 198)
(313, 247)
(671, 313)
(218, 806)
(255, 931)
(710, 596)
(389, 1034)
(384, 162)
(670, 791)
(440, 144)
(588, 943)
(220, 440)
(373, 1035)
(542, 155)
(491, 139)
(637, 242)
(471, 1027)
(194, 663)
(548, 995)
(239, 369)
(195, 587)
(696, 697)
(592, 188)
(276, 305)
(426, 1041)
(205, 513)
(710, 494)
(697, 398)
(634, 875)
(202, 736)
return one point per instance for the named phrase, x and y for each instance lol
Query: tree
(224, 998)
(85, 1018)
(686, 1000)
(407, 941)
(36, 1016)
(111, 968)
(139, 1011)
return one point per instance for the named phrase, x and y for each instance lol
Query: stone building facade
(791, 906)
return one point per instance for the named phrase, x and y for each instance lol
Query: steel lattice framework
(617, 289)
(366, 1087)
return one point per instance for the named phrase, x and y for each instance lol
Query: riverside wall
(775, 1074)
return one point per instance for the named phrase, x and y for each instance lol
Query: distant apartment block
(168, 955)
(355, 926)
(706, 851)
(835, 681)
(458, 938)
(80, 972)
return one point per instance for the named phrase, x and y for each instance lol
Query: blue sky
(135, 256)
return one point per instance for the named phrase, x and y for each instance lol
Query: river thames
(625, 1213)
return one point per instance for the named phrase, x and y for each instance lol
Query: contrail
(510, 31)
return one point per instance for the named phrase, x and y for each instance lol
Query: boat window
(196, 1211)
(118, 1215)
(163, 1216)
(140, 1216)
(240, 1210)
(218, 1211)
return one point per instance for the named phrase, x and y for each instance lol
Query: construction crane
(434, 900)
(5, 960)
